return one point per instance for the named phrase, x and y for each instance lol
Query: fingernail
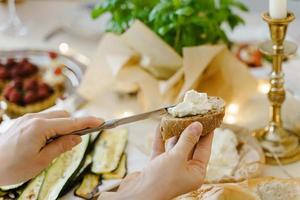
(76, 140)
(196, 128)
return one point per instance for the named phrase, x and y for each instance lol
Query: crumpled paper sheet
(138, 46)
(148, 94)
(156, 56)
(212, 69)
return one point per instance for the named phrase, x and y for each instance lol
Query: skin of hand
(177, 169)
(23, 149)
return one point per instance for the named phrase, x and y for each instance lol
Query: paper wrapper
(156, 56)
(214, 70)
(148, 94)
(136, 59)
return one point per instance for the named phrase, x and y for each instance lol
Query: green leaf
(187, 11)
(165, 29)
(180, 23)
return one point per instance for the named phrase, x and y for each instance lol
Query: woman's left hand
(174, 171)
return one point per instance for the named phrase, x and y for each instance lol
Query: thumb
(59, 146)
(188, 139)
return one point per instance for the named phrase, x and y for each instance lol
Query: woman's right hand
(24, 151)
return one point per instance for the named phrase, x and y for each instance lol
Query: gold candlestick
(278, 142)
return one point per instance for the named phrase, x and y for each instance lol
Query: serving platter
(73, 71)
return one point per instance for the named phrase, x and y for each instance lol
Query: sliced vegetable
(86, 164)
(118, 173)
(11, 187)
(109, 148)
(88, 186)
(32, 190)
(2, 193)
(78, 176)
(62, 170)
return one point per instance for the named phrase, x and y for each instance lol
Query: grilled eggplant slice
(118, 173)
(32, 190)
(109, 148)
(88, 186)
(62, 170)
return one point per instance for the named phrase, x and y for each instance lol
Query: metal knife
(126, 120)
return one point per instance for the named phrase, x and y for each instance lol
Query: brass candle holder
(278, 143)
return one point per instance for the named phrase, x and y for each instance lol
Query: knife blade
(126, 120)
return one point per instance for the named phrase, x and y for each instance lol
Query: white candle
(278, 9)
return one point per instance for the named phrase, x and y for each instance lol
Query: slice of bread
(266, 188)
(173, 126)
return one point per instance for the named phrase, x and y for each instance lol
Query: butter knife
(126, 120)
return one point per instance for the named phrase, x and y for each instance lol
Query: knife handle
(106, 125)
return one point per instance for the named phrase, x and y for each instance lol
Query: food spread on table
(98, 157)
(13, 69)
(164, 53)
(27, 87)
(28, 96)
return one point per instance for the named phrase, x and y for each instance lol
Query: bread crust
(172, 126)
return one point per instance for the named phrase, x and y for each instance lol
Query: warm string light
(233, 108)
(64, 48)
(263, 86)
(230, 119)
(126, 114)
(231, 113)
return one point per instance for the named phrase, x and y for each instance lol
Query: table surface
(41, 17)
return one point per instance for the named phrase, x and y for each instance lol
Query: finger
(43, 115)
(53, 114)
(129, 179)
(158, 146)
(47, 115)
(58, 147)
(188, 139)
(171, 143)
(203, 149)
(63, 126)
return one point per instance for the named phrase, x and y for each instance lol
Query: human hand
(173, 171)
(24, 151)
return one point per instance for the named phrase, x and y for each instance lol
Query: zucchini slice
(62, 170)
(31, 191)
(11, 187)
(108, 150)
(118, 173)
(87, 162)
(78, 176)
(88, 186)
(2, 193)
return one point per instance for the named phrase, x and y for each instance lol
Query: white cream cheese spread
(224, 156)
(53, 78)
(194, 103)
